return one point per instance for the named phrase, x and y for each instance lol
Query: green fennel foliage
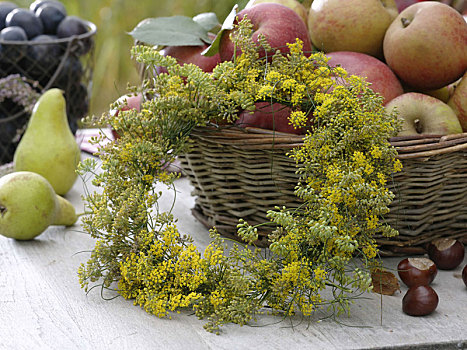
(321, 254)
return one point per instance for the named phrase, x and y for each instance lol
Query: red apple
(382, 78)
(191, 54)
(271, 117)
(292, 4)
(403, 4)
(426, 45)
(356, 25)
(279, 24)
(458, 102)
(127, 102)
(423, 114)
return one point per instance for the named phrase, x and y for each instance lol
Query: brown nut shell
(417, 271)
(447, 253)
(420, 301)
(464, 275)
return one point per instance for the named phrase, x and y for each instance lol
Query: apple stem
(418, 126)
(2, 210)
(405, 22)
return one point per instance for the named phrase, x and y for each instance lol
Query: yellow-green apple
(292, 4)
(191, 54)
(458, 102)
(353, 25)
(452, 87)
(382, 78)
(442, 94)
(269, 116)
(426, 45)
(424, 114)
(279, 25)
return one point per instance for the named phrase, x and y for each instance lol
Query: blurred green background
(113, 66)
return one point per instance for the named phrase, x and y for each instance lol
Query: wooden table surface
(43, 307)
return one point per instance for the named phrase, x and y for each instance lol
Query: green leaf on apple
(170, 31)
(227, 25)
(207, 20)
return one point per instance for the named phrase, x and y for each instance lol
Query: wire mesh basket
(45, 63)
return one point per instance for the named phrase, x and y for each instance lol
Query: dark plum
(72, 25)
(51, 16)
(5, 8)
(43, 58)
(10, 53)
(78, 105)
(44, 50)
(39, 3)
(25, 19)
(70, 73)
(13, 33)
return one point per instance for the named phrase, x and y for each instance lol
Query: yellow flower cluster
(344, 164)
(166, 277)
(297, 288)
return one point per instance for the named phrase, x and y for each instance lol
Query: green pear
(48, 146)
(29, 204)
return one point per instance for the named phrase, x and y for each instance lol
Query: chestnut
(420, 301)
(417, 271)
(447, 253)
(464, 275)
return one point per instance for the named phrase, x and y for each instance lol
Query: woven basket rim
(411, 146)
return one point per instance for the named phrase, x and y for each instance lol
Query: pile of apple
(415, 59)
(414, 54)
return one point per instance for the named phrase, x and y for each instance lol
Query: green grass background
(113, 67)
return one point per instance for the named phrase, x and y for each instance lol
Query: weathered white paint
(43, 307)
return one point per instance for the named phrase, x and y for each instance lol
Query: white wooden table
(43, 307)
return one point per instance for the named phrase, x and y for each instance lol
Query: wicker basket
(241, 173)
(63, 63)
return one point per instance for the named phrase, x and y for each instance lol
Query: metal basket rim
(92, 31)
